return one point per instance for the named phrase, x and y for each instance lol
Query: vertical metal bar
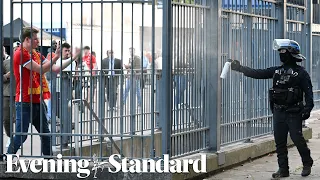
(282, 20)
(12, 94)
(309, 36)
(203, 74)
(133, 87)
(92, 79)
(102, 86)
(142, 79)
(121, 84)
(61, 90)
(174, 45)
(212, 81)
(81, 46)
(183, 80)
(111, 82)
(166, 77)
(190, 53)
(178, 84)
(1, 77)
(21, 82)
(72, 115)
(73, 105)
(32, 104)
(153, 80)
(41, 74)
(76, 128)
(53, 87)
(250, 84)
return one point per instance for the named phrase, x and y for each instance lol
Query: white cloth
(158, 63)
(71, 67)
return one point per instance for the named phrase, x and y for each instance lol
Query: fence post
(102, 104)
(53, 112)
(166, 87)
(249, 94)
(309, 22)
(76, 109)
(212, 79)
(282, 20)
(1, 79)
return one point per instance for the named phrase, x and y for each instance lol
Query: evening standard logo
(82, 166)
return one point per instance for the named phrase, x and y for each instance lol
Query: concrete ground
(262, 168)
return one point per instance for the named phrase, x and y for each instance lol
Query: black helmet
(291, 46)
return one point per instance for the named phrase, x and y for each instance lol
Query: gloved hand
(305, 114)
(235, 65)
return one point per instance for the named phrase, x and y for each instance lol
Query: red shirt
(87, 59)
(30, 87)
(49, 55)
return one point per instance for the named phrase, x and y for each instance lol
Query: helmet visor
(280, 43)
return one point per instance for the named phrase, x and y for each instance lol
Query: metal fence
(247, 35)
(170, 100)
(315, 67)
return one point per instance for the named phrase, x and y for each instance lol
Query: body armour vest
(285, 89)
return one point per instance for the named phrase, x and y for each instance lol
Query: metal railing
(114, 117)
(247, 35)
(316, 68)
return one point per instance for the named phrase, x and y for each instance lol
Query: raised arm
(58, 67)
(253, 73)
(46, 64)
(33, 66)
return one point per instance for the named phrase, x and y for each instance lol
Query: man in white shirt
(65, 80)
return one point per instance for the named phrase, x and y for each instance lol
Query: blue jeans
(23, 118)
(136, 87)
(77, 89)
(181, 85)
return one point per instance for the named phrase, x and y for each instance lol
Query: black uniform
(290, 83)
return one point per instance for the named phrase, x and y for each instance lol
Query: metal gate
(189, 32)
(171, 99)
(248, 30)
(88, 117)
(316, 67)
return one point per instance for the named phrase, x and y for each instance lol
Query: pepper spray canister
(226, 69)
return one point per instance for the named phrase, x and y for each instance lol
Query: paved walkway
(261, 169)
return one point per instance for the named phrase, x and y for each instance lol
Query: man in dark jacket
(6, 96)
(111, 68)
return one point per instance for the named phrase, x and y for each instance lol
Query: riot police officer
(291, 82)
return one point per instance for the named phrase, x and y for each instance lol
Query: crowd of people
(54, 77)
(55, 81)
